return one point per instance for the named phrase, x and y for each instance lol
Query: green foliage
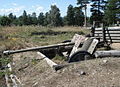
(41, 19)
(47, 19)
(112, 13)
(5, 21)
(52, 18)
(55, 16)
(25, 18)
(70, 15)
(34, 19)
(74, 16)
(79, 16)
(82, 2)
(97, 10)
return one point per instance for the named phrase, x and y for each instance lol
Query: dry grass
(34, 72)
(17, 37)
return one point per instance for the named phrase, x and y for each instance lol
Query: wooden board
(92, 46)
(77, 39)
(111, 34)
(49, 62)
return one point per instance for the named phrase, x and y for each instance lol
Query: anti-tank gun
(77, 49)
(50, 51)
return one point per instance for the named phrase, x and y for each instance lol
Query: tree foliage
(5, 21)
(78, 17)
(74, 16)
(55, 18)
(112, 13)
(98, 7)
(70, 15)
(41, 19)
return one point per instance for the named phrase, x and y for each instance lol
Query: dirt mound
(34, 72)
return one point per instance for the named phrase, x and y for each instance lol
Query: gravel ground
(34, 72)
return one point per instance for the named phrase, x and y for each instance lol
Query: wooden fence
(109, 34)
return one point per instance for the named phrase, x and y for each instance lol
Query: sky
(18, 6)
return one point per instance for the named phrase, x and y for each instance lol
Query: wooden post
(93, 29)
(103, 33)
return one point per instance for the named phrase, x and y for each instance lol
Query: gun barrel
(38, 48)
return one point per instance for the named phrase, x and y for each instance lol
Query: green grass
(18, 37)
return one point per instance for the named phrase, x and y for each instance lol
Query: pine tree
(41, 19)
(55, 17)
(12, 18)
(5, 21)
(24, 18)
(112, 13)
(78, 17)
(97, 10)
(34, 19)
(70, 15)
(29, 19)
(47, 19)
(83, 4)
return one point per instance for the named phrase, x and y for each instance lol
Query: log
(110, 53)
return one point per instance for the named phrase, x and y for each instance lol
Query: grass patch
(36, 35)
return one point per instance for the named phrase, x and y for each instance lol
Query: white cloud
(14, 4)
(14, 10)
(36, 8)
(39, 9)
(54, 4)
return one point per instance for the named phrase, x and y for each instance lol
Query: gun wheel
(79, 56)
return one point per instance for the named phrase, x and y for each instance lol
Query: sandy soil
(34, 72)
(116, 46)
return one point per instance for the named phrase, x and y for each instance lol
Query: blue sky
(17, 6)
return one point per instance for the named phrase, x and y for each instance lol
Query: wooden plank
(111, 32)
(92, 46)
(110, 28)
(112, 35)
(49, 62)
(77, 39)
(113, 28)
(115, 41)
